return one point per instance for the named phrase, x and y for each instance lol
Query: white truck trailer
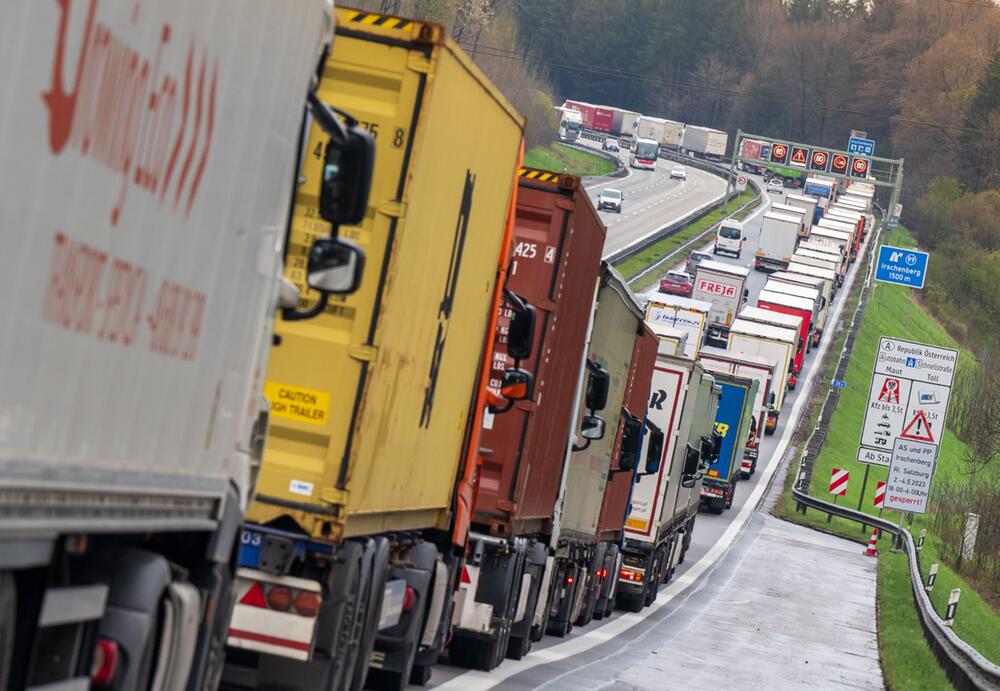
(779, 235)
(724, 286)
(705, 142)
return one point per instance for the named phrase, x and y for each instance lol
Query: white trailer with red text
(724, 286)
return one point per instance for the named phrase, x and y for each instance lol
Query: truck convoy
(353, 546)
(132, 391)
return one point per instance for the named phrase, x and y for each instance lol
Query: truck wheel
(8, 605)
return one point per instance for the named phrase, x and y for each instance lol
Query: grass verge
(566, 159)
(907, 660)
(635, 264)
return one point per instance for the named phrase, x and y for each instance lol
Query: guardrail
(965, 666)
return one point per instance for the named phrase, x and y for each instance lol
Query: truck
(132, 398)
(598, 478)
(624, 123)
(664, 504)
(807, 203)
(603, 119)
(667, 133)
(822, 260)
(570, 124)
(761, 370)
(733, 425)
(757, 150)
(851, 230)
(779, 235)
(773, 343)
(827, 251)
(352, 548)
(705, 142)
(811, 288)
(690, 316)
(796, 322)
(805, 221)
(828, 276)
(822, 188)
(586, 111)
(644, 154)
(512, 524)
(724, 287)
(841, 239)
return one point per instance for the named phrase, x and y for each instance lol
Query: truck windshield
(647, 150)
(572, 126)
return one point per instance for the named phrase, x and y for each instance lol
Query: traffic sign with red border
(859, 167)
(819, 160)
(779, 153)
(799, 157)
(839, 164)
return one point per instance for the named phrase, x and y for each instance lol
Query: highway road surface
(713, 578)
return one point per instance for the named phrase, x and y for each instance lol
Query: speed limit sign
(741, 183)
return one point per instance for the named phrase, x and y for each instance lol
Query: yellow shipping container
(371, 400)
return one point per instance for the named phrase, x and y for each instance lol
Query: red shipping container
(619, 488)
(585, 109)
(750, 148)
(603, 119)
(558, 240)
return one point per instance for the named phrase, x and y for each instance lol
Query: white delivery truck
(829, 277)
(839, 238)
(725, 287)
(729, 238)
(705, 142)
(809, 287)
(770, 342)
(142, 218)
(800, 213)
(786, 319)
(761, 370)
(779, 234)
(807, 203)
(685, 314)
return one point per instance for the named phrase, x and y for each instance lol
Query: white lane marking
(480, 681)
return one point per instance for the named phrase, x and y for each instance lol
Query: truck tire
(8, 605)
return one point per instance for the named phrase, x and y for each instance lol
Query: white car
(610, 199)
(775, 185)
(679, 172)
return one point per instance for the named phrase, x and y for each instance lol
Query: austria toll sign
(908, 399)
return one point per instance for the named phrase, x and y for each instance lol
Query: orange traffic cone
(872, 550)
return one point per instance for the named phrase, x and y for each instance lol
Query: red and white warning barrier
(879, 495)
(838, 481)
(872, 550)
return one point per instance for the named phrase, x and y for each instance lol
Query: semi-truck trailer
(586, 111)
(352, 549)
(843, 240)
(825, 251)
(664, 504)
(807, 203)
(761, 370)
(805, 308)
(558, 239)
(705, 142)
(785, 321)
(770, 342)
(850, 229)
(690, 316)
(724, 287)
(666, 133)
(755, 149)
(131, 366)
(823, 189)
(779, 235)
(828, 276)
(600, 471)
(796, 211)
(733, 425)
(811, 288)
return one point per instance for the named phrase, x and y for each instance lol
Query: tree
(980, 143)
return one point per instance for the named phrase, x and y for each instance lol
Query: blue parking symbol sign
(901, 266)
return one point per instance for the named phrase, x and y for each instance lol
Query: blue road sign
(861, 147)
(839, 383)
(901, 266)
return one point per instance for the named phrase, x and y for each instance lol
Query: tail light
(306, 603)
(570, 580)
(409, 596)
(630, 575)
(279, 597)
(105, 662)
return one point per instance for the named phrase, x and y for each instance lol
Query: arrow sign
(838, 164)
(819, 160)
(799, 156)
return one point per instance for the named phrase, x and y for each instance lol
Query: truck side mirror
(597, 387)
(335, 266)
(348, 160)
(591, 428)
(689, 475)
(517, 384)
(746, 294)
(771, 399)
(628, 455)
(521, 331)
(654, 449)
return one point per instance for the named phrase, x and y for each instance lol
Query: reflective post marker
(949, 617)
(920, 540)
(931, 577)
